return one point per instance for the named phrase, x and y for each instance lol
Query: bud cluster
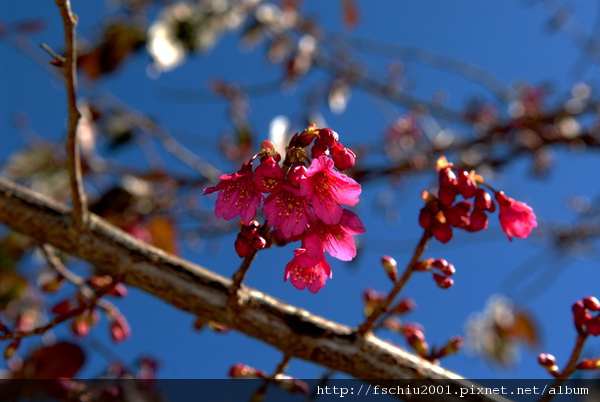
(415, 337)
(445, 212)
(584, 322)
(444, 268)
(248, 240)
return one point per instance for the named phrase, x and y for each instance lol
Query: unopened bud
(11, 349)
(258, 243)
(447, 177)
(120, 329)
(319, 148)
(548, 361)
(425, 218)
(447, 195)
(62, 307)
(424, 265)
(328, 136)
(240, 370)
(296, 174)
(591, 303)
(466, 184)
(441, 231)
(587, 364)
(343, 158)
(243, 247)
(405, 305)
(443, 281)
(416, 340)
(390, 266)
(444, 266)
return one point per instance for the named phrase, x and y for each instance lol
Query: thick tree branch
(294, 331)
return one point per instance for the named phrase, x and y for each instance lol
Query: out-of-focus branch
(294, 331)
(80, 212)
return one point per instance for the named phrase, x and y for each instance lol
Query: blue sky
(509, 38)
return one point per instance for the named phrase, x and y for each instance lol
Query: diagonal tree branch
(294, 331)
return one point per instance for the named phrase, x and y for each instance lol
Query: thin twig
(88, 304)
(569, 368)
(382, 307)
(78, 198)
(55, 263)
(240, 274)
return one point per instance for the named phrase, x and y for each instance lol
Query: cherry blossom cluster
(302, 200)
(443, 213)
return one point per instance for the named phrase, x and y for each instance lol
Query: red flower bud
(578, 309)
(447, 195)
(243, 247)
(479, 221)
(258, 243)
(466, 184)
(483, 201)
(441, 231)
(296, 173)
(546, 360)
(390, 266)
(62, 307)
(306, 137)
(425, 218)
(587, 364)
(443, 281)
(343, 158)
(444, 267)
(416, 340)
(119, 329)
(240, 370)
(593, 326)
(319, 148)
(447, 177)
(328, 136)
(405, 305)
(424, 265)
(591, 303)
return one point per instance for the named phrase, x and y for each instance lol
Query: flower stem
(240, 274)
(369, 324)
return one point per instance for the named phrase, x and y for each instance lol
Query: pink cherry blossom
(516, 217)
(336, 239)
(238, 195)
(287, 211)
(268, 176)
(327, 189)
(304, 271)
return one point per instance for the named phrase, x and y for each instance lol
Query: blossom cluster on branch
(305, 203)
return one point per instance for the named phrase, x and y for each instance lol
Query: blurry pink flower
(516, 218)
(305, 271)
(327, 189)
(336, 239)
(238, 195)
(287, 211)
(120, 329)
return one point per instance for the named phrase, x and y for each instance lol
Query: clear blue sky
(509, 38)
